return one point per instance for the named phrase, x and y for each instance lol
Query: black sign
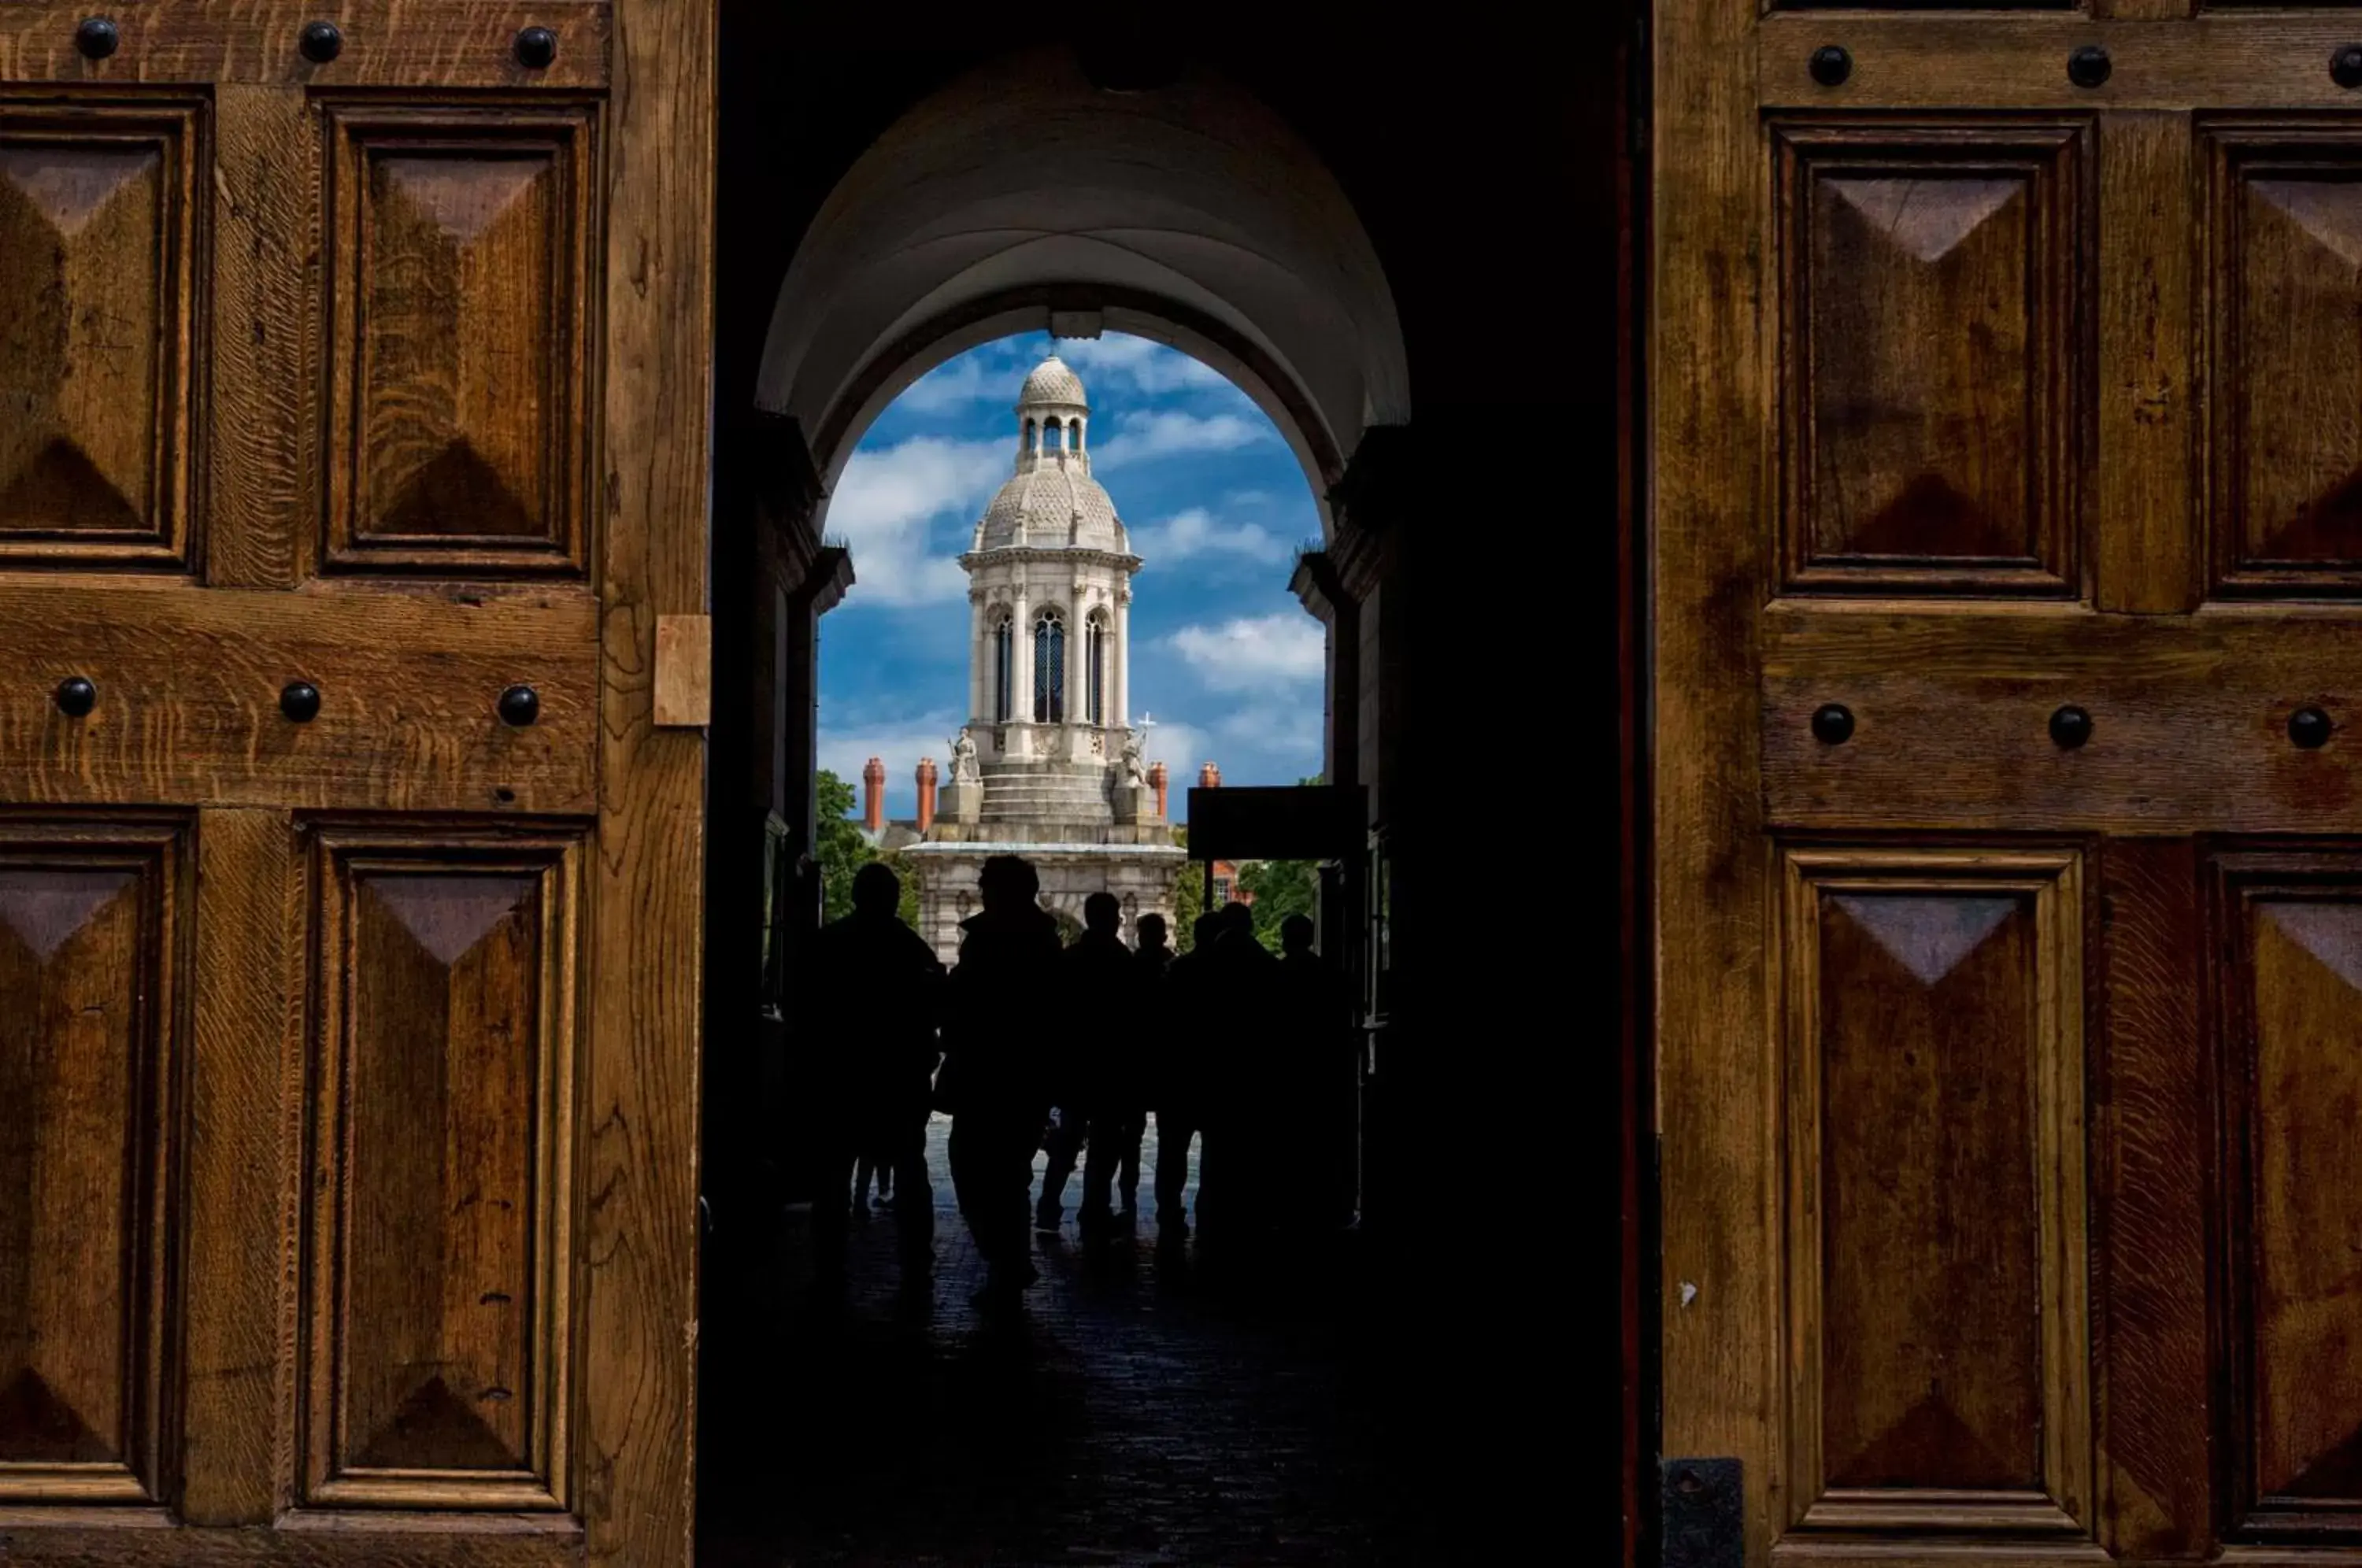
(1288, 821)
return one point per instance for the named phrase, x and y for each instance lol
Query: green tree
(908, 908)
(1188, 897)
(843, 850)
(1278, 888)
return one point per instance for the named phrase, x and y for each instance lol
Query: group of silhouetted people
(1030, 1045)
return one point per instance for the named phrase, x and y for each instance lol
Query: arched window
(1004, 669)
(1032, 434)
(1050, 668)
(1050, 428)
(1095, 670)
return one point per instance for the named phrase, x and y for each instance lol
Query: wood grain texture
(189, 682)
(2289, 925)
(1932, 369)
(1933, 1008)
(2152, 1133)
(118, 1540)
(639, 1356)
(1719, 1283)
(262, 527)
(2284, 228)
(684, 671)
(1952, 713)
(2145, 401)
(441, 1231)
(92, 922)
(98, 328)
(409, 44)
(461, 237)
(245, 1134)
(2278, 57)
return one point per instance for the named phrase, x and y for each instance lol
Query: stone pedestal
(961, 802)
(1134, 803)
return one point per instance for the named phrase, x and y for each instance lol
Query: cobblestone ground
(1142, 1409)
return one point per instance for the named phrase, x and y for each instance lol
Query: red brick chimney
(1209, 777)
(873, 796)
(926, 793)
(1157, 780)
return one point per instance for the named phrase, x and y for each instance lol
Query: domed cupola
(1052, 502)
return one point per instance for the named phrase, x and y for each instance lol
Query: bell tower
(1049, 763)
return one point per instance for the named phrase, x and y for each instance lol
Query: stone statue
(1135, 774)
(964, 769)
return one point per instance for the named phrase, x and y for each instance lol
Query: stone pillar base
(1134, 803)
(961, 802)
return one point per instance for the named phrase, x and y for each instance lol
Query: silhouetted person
(1178, 1046)
(876, 986)
(1235, 1174)
(993, 1080)
(876, 1166)
(1101, 980)
(1149, 961)
(1076, 1056)
(1319, 1052)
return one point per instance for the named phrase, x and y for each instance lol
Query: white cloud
(1194, 531)
(1290, 729)
(1180, 747)
(1146, 365)
(953, 385)
(1251, 654)
(887, 502)
(898, 742)
(1165, 432)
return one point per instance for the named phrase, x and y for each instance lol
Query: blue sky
(1223, 657)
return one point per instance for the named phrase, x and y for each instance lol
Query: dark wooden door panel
(1932, 1005)
(93, 921)
(345, 472)
(98, 209)
(1932, 278)
(462, 238)
(2010, 401)
(441, 1224)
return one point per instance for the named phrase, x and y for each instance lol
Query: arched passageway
(885, 211)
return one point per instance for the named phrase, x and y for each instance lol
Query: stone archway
(1461, 193)
(1191, 215)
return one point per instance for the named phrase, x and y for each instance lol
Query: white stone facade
(1047, 765)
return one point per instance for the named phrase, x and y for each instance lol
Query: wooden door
(2007, 367)
(353, 391)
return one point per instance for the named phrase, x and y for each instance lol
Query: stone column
(1079, 655)
(1020, 650)
(979, 660)
(1120, 657)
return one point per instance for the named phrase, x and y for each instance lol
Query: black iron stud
(1831, 65)
(1833, 723)
(321, 42)
(2309, 727)
(300, 700)
(76, 696)
(2089, 66)
(519, 705)
(536, 47)
(96, 37)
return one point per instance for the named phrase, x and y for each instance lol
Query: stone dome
(1052, 502)
(1052, 382)
(1048, 504)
